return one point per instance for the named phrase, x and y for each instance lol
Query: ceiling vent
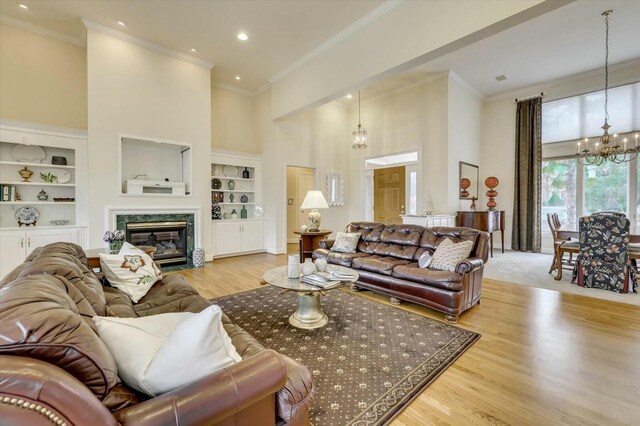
(501, 77)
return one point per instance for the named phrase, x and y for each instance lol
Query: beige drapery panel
(528, 162)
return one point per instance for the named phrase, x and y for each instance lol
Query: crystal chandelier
(359, 134)
(607, 148)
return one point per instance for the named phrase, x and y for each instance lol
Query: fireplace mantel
(111, 213)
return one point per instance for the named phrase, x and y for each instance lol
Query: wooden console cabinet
(488, 221)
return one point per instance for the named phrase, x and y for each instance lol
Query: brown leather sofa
(54, 369)
(387, 261)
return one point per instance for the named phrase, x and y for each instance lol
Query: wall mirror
(335, 189)
(468, 181)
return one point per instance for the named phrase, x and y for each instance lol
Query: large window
(559, 190)
(580, 117)
(573, 190)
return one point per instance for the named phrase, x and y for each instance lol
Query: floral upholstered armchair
(603, 261)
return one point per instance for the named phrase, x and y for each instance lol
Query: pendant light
(359, 134)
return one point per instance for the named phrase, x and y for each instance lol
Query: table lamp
(314, 201)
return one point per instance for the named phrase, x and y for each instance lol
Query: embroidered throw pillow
(159, 353)
(346, 242)
(131, 271)
(448, 254)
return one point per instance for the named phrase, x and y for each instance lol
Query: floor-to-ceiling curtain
(526, 207)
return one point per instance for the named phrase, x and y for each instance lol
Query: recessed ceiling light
(349, 96)
(193, 49)
(121, 23)
(243, 36)
(501, 77)
(237, 77)
(23, 6)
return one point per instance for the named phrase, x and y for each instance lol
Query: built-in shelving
(38, 202)
(48, 166)
(69, 185)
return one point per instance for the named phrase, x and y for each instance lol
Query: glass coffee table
(309, 313)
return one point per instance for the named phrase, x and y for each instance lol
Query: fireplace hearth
(169, 238)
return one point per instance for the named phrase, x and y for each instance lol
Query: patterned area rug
(368, 363)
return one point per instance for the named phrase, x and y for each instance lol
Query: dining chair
(603, 261)
(560, 247)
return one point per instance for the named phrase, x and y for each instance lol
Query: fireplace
(169, 238)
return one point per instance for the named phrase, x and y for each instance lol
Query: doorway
(388, 194)
(300, 180)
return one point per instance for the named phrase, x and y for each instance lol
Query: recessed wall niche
(156, 168)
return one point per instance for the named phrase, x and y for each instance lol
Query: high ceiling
(280, 32)
(558, 44)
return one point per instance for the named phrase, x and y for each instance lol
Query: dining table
(571, 232)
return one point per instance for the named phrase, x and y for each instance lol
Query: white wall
(139, 92)
(497, 156)
(315, 139)
(232, 121)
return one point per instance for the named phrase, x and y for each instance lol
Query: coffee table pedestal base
(309, 314)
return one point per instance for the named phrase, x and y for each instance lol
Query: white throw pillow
(131, 271)
(160, 353)
(346, 242)
(424, 260)
(448, 254)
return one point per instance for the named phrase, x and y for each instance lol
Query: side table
(309, 241)
(93, 255)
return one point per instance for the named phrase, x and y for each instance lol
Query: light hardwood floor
(544, 357)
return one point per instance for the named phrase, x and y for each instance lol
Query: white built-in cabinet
(67, 199)
(234, 235)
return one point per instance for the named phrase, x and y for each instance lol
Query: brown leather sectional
(54, 369)
(387, 261)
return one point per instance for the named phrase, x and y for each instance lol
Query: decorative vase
(464, 185)
(491, 182)
(216, 211)
(321, 264)
(43, 196)
(231, 184)
(25, 174)
(245, 173)
(243, 213)
(244, 199)
(231, 197)
(234, 214)
(293, 267)
(304, 228)
(308, 267)
(115, 246)
(198, 258)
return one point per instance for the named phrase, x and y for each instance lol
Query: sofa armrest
(216, 397)
(469, 265)
(327, 244)
(36, 392)
(298, 394)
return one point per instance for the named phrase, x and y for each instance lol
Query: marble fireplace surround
(118, 216)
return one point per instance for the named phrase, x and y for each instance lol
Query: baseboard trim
(277, 251)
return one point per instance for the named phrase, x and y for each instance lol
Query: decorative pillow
(448, 254)
(346, 242)
(131, 271)
(160, 353)
(424, 260)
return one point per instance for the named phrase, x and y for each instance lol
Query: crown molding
(48, 129)
(260, 90)
(27, 26)
(103, 29)
(547, 85)
(233, 89)
(337, 38)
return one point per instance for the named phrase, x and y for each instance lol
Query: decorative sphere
(465, 183)
(491, 182)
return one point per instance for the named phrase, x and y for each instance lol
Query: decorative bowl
(59, 222)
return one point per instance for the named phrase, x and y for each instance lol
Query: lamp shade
(314, 200)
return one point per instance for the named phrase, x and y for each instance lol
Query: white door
(252, 236)
(228, 239)
(12, 250)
